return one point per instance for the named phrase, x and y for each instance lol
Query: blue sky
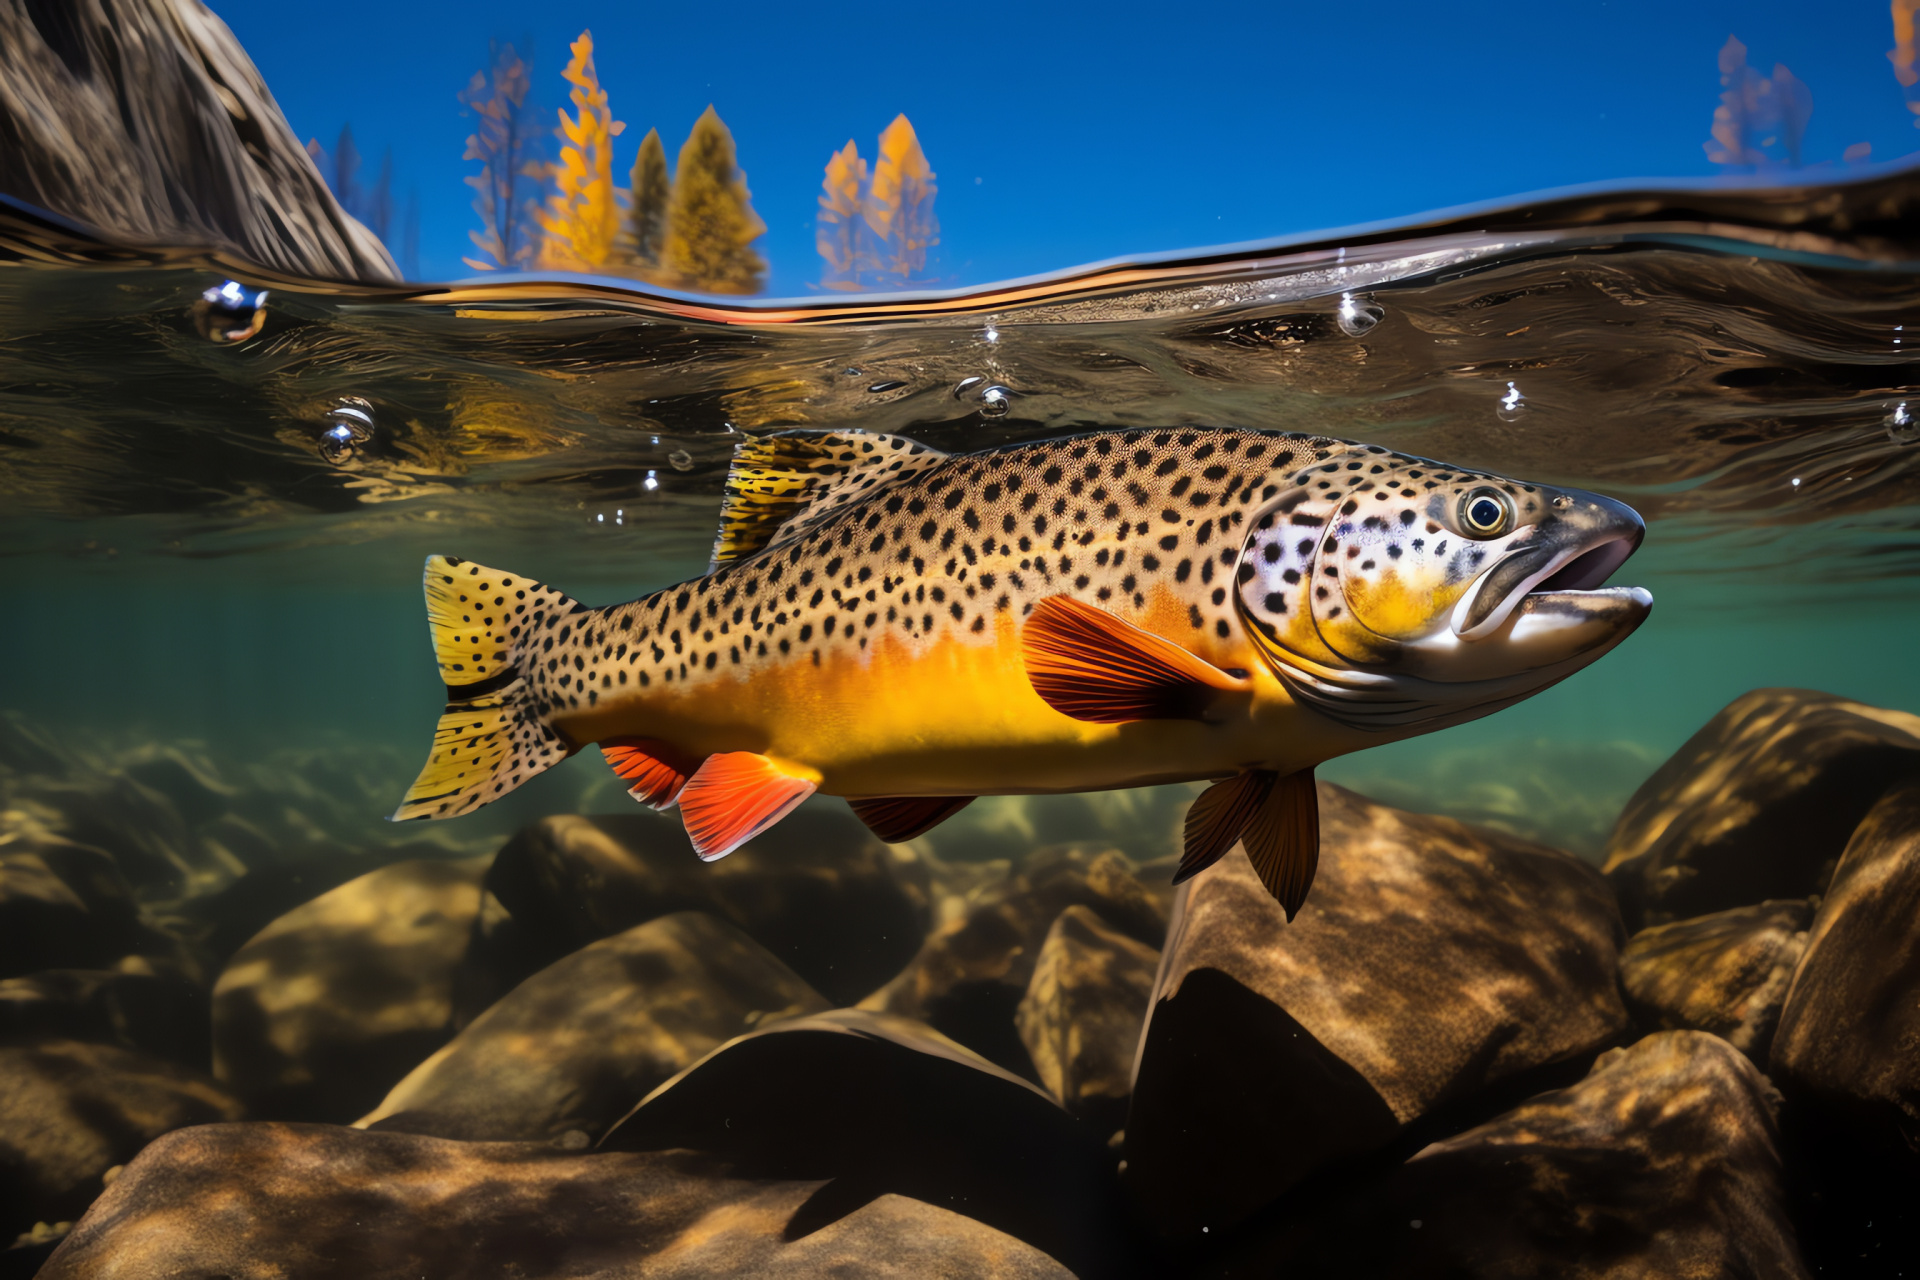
(1064, 134)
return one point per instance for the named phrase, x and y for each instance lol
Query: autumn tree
(838, 225)
(647, 209)
(1757, 112)
(711, 225)
(899, 205)
(506, 142)
(580, 224)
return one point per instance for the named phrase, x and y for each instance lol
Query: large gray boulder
(1757, 805)
(1663, 1162)
(146, 120)
(1726, 972)
(314, 1201)
(1432, 961)
(70, 1111)
(883, 1105)
(1849, 1036)
(326, 1008)
(575, 1046)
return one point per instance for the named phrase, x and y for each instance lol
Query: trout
(911, 629)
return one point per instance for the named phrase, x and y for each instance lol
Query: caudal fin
(492, 736)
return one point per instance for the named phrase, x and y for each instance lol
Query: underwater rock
(299, 1201)
(63, 906)
(971, 974)
(1848, 1043)
(1431, 961)
(1664, 1161)
(71, 1111)
(1080, 1019)
(885, 1105)
(578, 1044)
(135, 1009)
(1143, 823)
(1726, 973)
(839, 908)
(147, 120)
(1757, 805)
(321, 1012)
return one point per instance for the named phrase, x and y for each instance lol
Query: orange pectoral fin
(1089, 664)
(735, 796)
(1219, 816)
(898, 819)
(655, 769)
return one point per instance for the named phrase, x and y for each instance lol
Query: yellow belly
(958, 716)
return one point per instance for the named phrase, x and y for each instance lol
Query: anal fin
(733, 797)
(1087, 663)
(655, 769)
(1283, 840)
(1218, 818)
(898, 819)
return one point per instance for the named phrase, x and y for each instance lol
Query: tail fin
(492, 736)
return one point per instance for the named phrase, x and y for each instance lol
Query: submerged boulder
(323, 1010)
(1726, 973)
(63, 905)
(1432, 962)
(147, 120)
(578, 1044)
(1664, 1161)
(70, 1111)
(1080, 1019)
(130, 1007)
(972, 972)
(1757, 805)
(883, 1105)
(297, 1201)
(1848, 1043)
(840, 908)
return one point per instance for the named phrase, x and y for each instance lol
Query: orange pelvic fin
(656, 770)
(1283, 840)
(735, 796)
(1219, 816)
(897, 819)
(1089, 664)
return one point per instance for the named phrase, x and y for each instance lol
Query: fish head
(1393, 592)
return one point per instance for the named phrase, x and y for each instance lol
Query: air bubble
(996, 402)
(1512, 405)
(680, 460)
(349, 424)
(230, 312)
(1358, 316)
(1901, 427)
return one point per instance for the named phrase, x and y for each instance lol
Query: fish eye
(1486, 513)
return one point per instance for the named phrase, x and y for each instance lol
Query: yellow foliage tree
(580, 224)
(504, 143)
(899, 207)
(837, 226)
(711, 225)
(647, 210)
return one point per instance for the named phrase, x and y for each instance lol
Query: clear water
(203, 560)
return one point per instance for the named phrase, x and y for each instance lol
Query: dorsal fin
(780, 485)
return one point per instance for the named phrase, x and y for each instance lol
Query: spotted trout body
(910, 629)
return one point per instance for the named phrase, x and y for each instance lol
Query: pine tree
(647, 210)
(506, 142)
(711, 225)
(899, 206)
(837, 226)
(581, 221)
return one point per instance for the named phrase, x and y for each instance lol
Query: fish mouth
(1596, 537)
